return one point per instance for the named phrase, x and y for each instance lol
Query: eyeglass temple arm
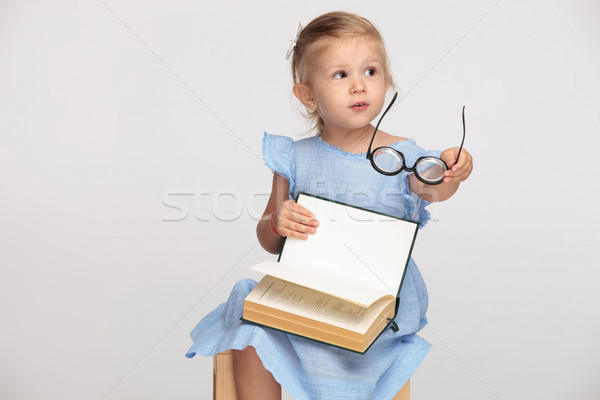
(463, 139)
(369, 155)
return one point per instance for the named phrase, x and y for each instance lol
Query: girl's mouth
(359, 106)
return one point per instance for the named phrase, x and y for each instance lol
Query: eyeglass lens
(388, 160)
(430, 169)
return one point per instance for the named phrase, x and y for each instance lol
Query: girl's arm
(289, 218)
(457, 172)
(268, 239)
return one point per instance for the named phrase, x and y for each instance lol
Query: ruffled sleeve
(277, 154)
(417, 211)
(421, 214)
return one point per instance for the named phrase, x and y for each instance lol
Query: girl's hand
(293, 220)
(457, 171)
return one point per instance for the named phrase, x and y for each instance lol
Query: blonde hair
(340, 25)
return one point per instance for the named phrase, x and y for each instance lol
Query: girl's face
(348, 82)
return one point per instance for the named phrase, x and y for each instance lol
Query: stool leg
(223, 383)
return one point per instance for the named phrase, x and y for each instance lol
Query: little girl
(341, 76)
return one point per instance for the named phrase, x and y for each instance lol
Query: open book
(340, 285)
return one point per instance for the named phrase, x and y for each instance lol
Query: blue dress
(309, 370)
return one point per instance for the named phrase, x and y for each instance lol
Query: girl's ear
(388, 86)
(302, 93)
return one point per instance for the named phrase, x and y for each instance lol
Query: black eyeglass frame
(401, 156)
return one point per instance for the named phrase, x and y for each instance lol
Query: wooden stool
(224, 386)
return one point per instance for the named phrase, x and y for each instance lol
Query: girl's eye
(370, 71)
(339, 75)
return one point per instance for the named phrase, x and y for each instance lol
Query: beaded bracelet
(273, 226)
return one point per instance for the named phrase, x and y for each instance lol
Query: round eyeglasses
(389, 161)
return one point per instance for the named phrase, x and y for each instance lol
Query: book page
(291, 298)
(351, 244)
(342, 287)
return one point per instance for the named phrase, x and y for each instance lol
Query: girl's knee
(246, 356)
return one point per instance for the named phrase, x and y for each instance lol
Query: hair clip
(293, 41)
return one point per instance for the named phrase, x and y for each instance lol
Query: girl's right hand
(292, 220)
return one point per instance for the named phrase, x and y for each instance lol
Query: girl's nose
(358, 86)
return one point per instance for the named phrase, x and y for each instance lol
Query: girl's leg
(252, 380)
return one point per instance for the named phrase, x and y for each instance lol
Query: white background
(112, 110)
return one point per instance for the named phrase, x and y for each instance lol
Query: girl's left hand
(457, 171)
